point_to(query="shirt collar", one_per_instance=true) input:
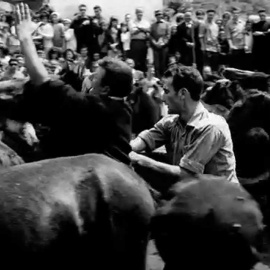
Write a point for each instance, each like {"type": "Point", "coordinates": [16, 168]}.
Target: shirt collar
{"type": "Point", "coordinates": [197, 115]}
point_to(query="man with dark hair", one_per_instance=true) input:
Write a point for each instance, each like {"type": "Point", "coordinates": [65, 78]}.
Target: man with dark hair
{"type": "Point", "coordinates": [197, 141]}
{"type": "Point", "coordinates": [84, 30]}
{"type": "Point", "coordinates": [79, 124]}
{"type": "Point", "coordinates": [98, 18]}
{"type": "Point", "coordinates": [209, 32]}
{"type": "Point", "coordinates": [261, 43]}
{"type": "Point", "coordinates": [200, 14]}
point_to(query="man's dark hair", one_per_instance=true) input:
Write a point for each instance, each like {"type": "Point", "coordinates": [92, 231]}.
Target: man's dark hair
{"type": "Point", "coordinates": [82, 5]}
{"type": "Point", "coordinates": [118, 76]}
{"type": "Point", "coordinates": [200, 12]}
{"type": "Point", "coordinates": [186, 77]}
{"type": "Point", "coordinates": [211, 11]}
{"type": "Point", "coordinates": [97, 7]}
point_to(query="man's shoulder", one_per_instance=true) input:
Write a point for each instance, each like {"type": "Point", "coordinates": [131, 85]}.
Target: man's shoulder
{"type": "Point", "coordinates": [169, 120]}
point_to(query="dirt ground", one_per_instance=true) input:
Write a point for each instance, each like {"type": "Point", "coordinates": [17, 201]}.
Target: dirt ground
{"type": "Point", "coordinates": [154, 262]}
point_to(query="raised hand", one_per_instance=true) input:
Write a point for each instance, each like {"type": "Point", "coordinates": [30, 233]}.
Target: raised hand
{"type": "Point", "coordinates": [23, 21]}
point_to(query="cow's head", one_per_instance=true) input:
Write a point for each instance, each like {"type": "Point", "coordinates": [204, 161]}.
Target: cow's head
{"type": "Point", "coordinates": [224, 92]}
{"type": "Point", "coordinates": [250, 129]}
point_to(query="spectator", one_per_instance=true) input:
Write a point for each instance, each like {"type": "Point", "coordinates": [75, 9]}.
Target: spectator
{"type": "Point", "coordinates": [103, 40]}
{"type": "Point", "coordinates": [98, 18]}
{"type": "Point", "coordinates": [235, 33]}
{"type": "Point", "coordinates": [224, 48]}
{"type": "Point", "coordinates": [137, 74]}
{"type": "Point", "coordinates": [42, 56]}
{"type": "Point", "coordinates": [200, 15]}
{"type": "Point", "coordinates": [83, 58]}
{"type": "Point", "coordinates": [45, 32]}
{"type": "Point", "coordinates": [173, 42]}
{"type": "Point", "coordinates": [58, 30]}
{"type": "Point", "coordinates": [70, 41]}
{"type": "Point", "coordinates": [125, 40]}
{"type": "Point", "coordinates": [139, 37]}
{"type": "Point", "coordinates": [84, 31]}
{"type": "Point", "coordinates": [53, 65]}
{"type": "Point", "coordinates": [248, 62]}
{"type": "Point", "coordinates": [12, 72]}
{"type": "Point", "coordinates": [128, 21]}
{"type": "Point", "coordinates": [113, 37]}
{"type": "Point", "coordinates": [209, 32]}
{"type": "Point", "coordinates": [4, 56]}
{"type": "Point", "coordinates": [179, 18]}
{"type": "Point", "coordinates": [21, 64]}
{"type": "Point", "coordinates": [13, 41]}
{"type": "Point", "coordinates": [226, 17]}
{"type": "Point", "coordinates": [159, 38]}
{"type": "Point", "coordinates": [189, 44]}
{"type": "Point", "coordinates": [261, 43]}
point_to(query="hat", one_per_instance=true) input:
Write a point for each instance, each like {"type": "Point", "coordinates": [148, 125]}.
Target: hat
{"type": "Point", "coordinates": [211, 10]}
{"type": "Point", "coordinates": [261, 10]}
{"type": "Point", "coordinates": [139, 10]}
{"type": "Point", "coordinates": [158, 12]}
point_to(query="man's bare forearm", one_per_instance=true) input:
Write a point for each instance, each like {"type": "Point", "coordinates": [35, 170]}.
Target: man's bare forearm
{"type": "Point", "coordinates": [138, 145]}
{"type": "Point", "coordinates": [36, 70]}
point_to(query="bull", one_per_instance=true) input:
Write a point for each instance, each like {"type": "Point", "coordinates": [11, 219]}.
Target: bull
{"type": "Point", "coordinates": [208, 223]}
{"type": "Point", "coordinates": [85, 211]}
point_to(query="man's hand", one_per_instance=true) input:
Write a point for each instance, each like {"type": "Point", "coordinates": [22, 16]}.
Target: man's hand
{"type": "Point", "coordinates": [137, 159]}
{"type": "Point", "coordinates": [23, 21]}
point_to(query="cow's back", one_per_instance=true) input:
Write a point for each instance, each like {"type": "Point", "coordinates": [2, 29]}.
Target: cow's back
{"type": "Point", "coordinates": [71, 212]}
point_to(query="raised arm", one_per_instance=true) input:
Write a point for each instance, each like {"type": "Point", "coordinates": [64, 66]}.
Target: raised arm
{"type": "Point", "coordinates": [37, 72]}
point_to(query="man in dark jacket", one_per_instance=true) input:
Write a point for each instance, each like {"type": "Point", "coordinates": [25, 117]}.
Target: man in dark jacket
{"type": "Point", "coordinates": [84, 30]}
{"type": "Point", "coordinates": [96, 123]}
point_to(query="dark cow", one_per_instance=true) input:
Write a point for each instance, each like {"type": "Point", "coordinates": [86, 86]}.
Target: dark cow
{"type": "Point", "coordinates": [146, 111]}
{"type": "Point", "coordinates": [224, 93]}
{"type": "Point", "coordinates": [208, 223]}
{"type": "Point", "coordinates": [75, 212]}
{"type": "Point", "coordinates": [250, 129]}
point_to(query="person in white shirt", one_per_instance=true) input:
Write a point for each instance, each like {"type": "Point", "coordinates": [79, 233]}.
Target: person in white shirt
{"type": "Point", "coordinates": [45, 32]}
{"type": "Point", "coordinates": [70, 41]}
{"type": "Point", "coordinates": [125, 40]}
{"type": "Point", "coordinates": [139, 36]}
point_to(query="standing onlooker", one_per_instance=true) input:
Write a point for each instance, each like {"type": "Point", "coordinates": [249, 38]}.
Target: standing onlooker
{"type": "Point", "coordinates": [188, 41]}
{"type": "Point", "coordinates": [84, 31]}
{"type": "Point", "coordinates": [261, 43]}
{"type": "Point", "coordinates": [159, 38]}
{"type": "Point", "coordinates": [58, 30]}
{"type": "Point", "coordinates": [113, 36]}
{"type": "Point", "coordinates": [209, 32]}
{"type": "Point", "coordinates": [4, 35]}
{"type": "Point", "coordinates": [235, 33]}
{"type": "Point", "coordinates": [139, 37]}
{"type": "Point", "coordinates": [125, 40]}
{"type": "Point", "coordinates": [173, 42]}
{"type": "Point", "coordinates": [224, 48]}
{"type": "Point", "coordinates": [45, 32]}
{"type": "Point", "coordinates": [128, 21]}
{"type": "Point", "coordinates": [103, 40]}
{"type": "Point", "coordinates": [70, 41]}
{"type": "Point", "coordinates": [248, 62]}
{"type": "Point", "coordinates": [13, 41]}
{"type": "Point", "coordinates": [200, 15]}
{"type": "Point", "coordinates": [226, 17]}
{"type": "Point", "coordinates": [98, 18]}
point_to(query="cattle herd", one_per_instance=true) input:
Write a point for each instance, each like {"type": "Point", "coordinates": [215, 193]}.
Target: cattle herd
{"type": "Point", "coordinates": [96, 212]}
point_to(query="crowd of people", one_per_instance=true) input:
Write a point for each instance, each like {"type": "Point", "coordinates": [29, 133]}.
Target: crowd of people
{"type": "Point", "coordinates": [202, 39]}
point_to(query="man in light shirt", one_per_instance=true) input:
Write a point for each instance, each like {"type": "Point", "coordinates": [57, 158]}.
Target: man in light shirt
{"type": "Point", "coordinates": [197, 141]}
{"type": "Point", "coordinates": [139, 35]}
{"type": "Point", "coordinates": [209, 32]}
{"type": "Point", "coordinates": [235, 30]}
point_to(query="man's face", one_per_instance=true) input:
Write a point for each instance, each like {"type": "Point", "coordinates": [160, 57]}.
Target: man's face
{"type": "Point", "coordinates": [139, 15]}
{"type": "Point", "coordinates": [262, 16]}
{"type": "Point", "coordinates": [54, 19]}
{"type": "Point", "coordinates": [170, 97]}
{"type": "Point", "coordinates": [97, 12]}
{"type": "Point", "coordinates": [130, 63]}
{"type": "Point", "coordinates": [210, 16]}
{"type": "Point", "coordinates": [187, 17]}
{"type": "Point", "coordinates": [13, 66]}
{"type": "Point", "coordinates": [128, 18]}
{"type": "Point", "coordinates": [84, 52]}
{"type": "Point", "coordinates": [82, 11]}
{"type": "Point", "coordinates": [159, 17]}
{"type": "Point", "coordinates": [235, 15]}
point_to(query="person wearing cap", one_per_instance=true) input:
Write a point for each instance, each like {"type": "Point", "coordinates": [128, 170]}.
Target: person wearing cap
{"type": "Point", "coordinates": [79, 124]}
{"type": "Point", "coordinates": [139, 36]}
{"type": "Point", "coordinates": [70, 41]}
{"type": "Point", "coordinates": [261, 44]}
{"type": "Point", "coordinates": [209, 32]}
{"type": "Point", "coordinates": [235, 31]}
{"type": "Point", "coordinates": [159, 39]}
{"type": "Point", "coordinates": [58, 31]}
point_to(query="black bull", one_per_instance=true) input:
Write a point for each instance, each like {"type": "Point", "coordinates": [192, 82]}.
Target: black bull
{"type": "Point", "coordinates": [76, 212]}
